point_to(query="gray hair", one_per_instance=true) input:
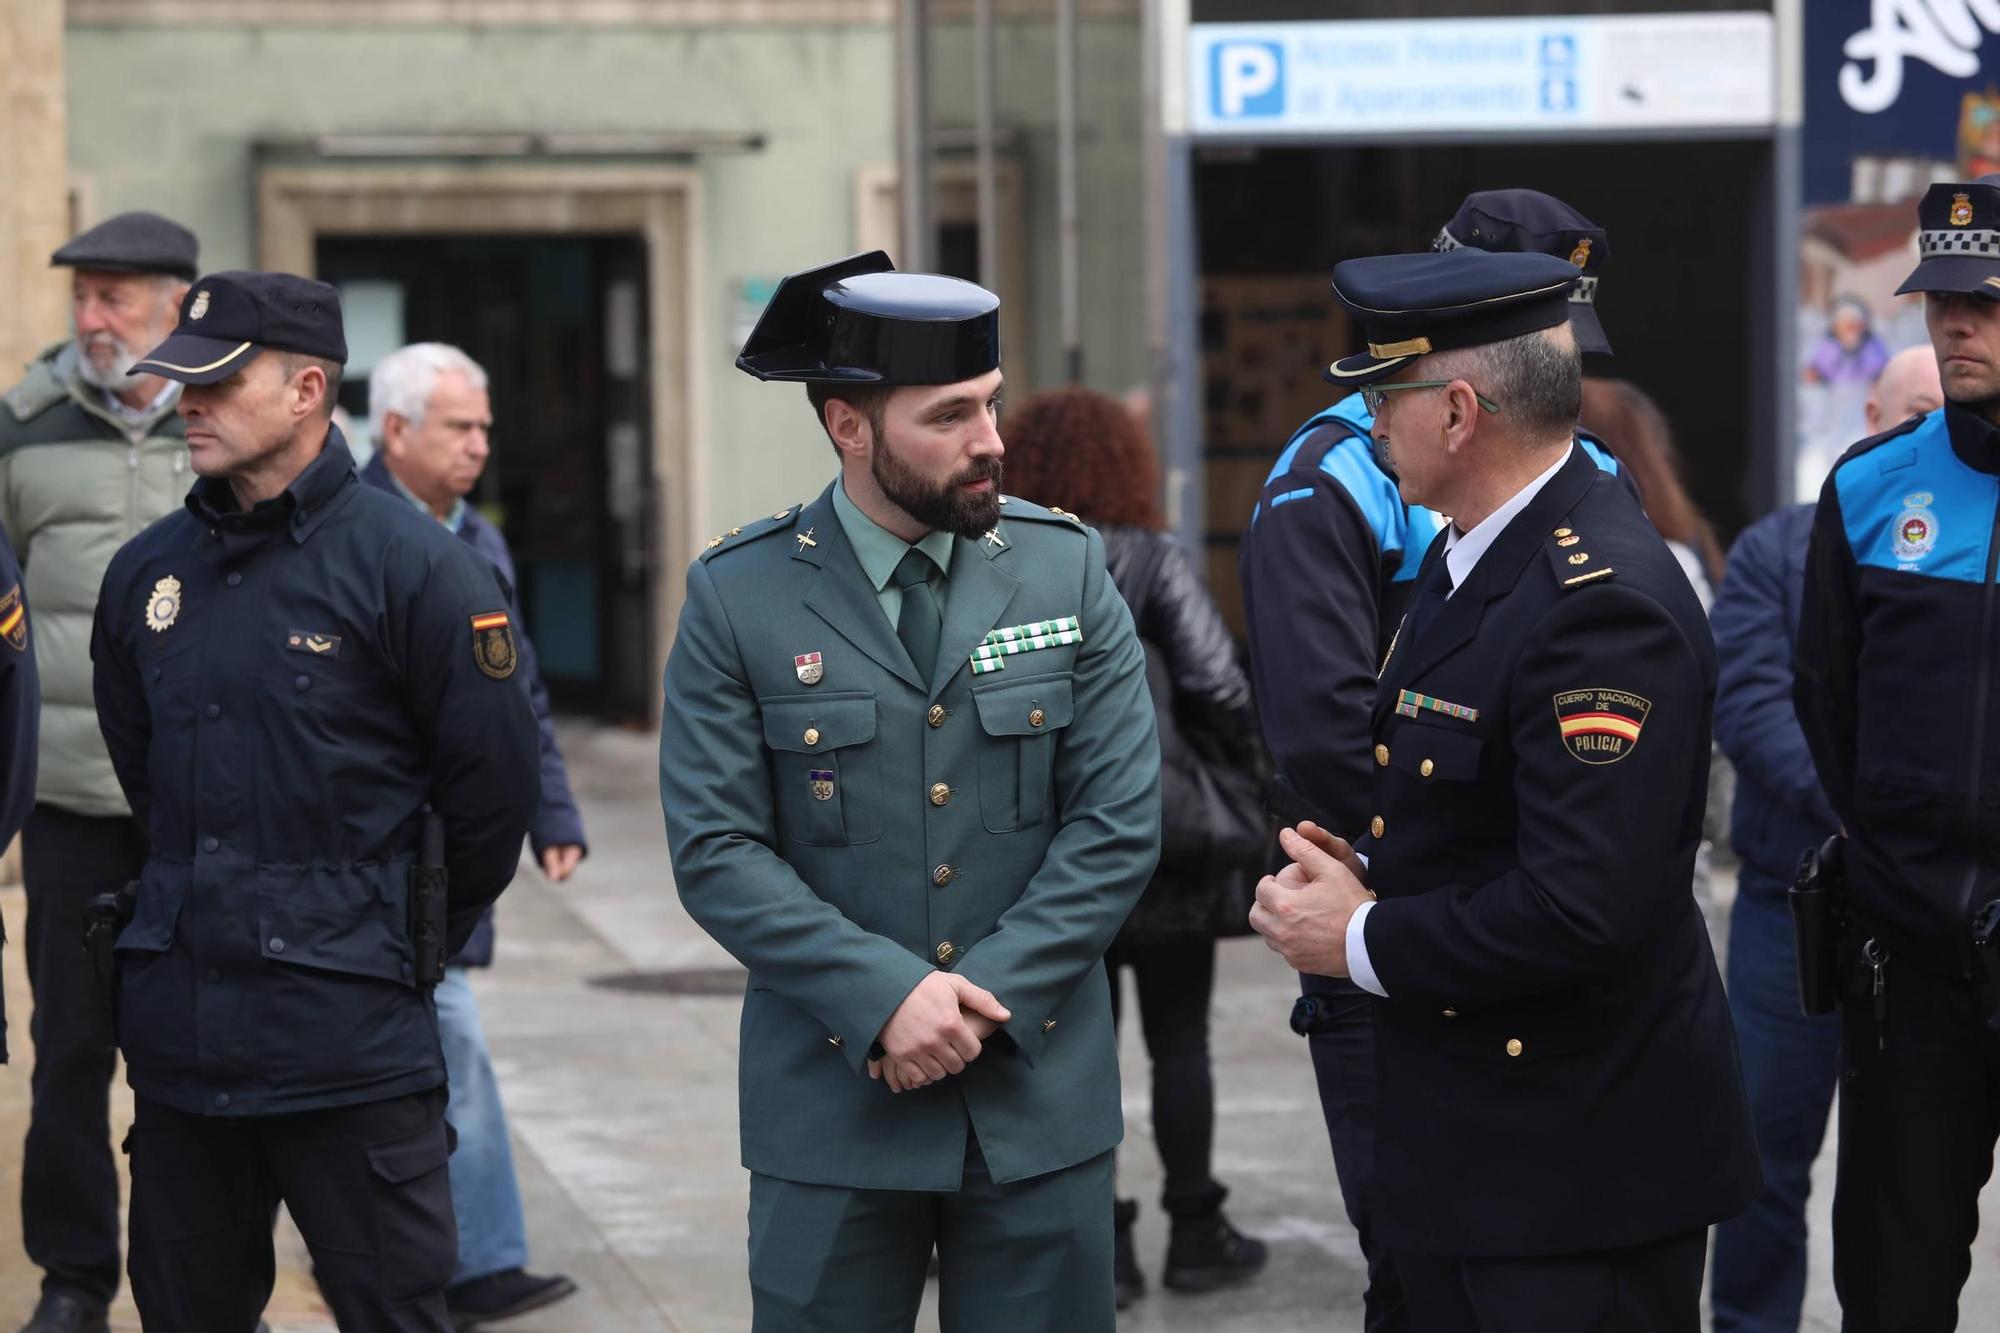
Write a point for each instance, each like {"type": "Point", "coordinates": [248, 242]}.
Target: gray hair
{"type": "Point", "coordinates": [403, 381]}
{"type": "Point", "coordinates": [1537, 378]}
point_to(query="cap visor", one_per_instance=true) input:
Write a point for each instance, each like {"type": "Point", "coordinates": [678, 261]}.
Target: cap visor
{"type": "Point", "coordinates": [1355, 371]}
{"type": "Point", "coordinates": [1589, 333]}
{"type": "Point", "coordinates": [192, 359]}
{"type": "Point", "coordinates": [1954, 273]}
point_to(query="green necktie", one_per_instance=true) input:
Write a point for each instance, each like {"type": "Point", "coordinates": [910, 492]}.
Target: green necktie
{"type": "Point", "coordinates": [917, 623]}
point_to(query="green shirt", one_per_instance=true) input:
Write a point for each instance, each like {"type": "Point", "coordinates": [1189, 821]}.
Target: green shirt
{"type": "Point", "coordinates": [880, 551]}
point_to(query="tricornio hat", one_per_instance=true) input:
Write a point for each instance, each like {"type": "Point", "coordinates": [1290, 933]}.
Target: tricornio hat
{"type": "Point", "coordinates": [859, 321]}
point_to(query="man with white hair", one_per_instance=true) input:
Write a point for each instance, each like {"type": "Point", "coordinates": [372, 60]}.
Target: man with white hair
{"type": "Point", "coordinates": [430, 416]}
{"type": "Point", "coordinates": [90, 454]}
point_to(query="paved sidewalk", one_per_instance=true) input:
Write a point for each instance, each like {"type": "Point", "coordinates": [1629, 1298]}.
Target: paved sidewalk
{"type": "Point", "coordinates": [624, 1112]}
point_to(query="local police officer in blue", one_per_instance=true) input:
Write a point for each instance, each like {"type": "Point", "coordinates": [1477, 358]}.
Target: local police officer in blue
{"type": "Point", "coordinates": [1328, 565]}
{"type": "Point", "coordinates": [1561, 1114]}
{"type": "Point", "coordinates": [911, 780]}
{"type": "Point", "coordinates": [1900, 701]}
{"type": "Point", "coordinates": [288, 674]}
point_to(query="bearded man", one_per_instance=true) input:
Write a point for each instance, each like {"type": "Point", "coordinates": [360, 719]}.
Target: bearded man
{"type": "Point", "coordinates": [90, 454]}
{"type": "Point", "coordinates": [911, 781]}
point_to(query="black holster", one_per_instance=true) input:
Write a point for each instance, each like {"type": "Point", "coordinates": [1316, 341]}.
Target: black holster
{"type": "Point", "coordinates": [104, 920]}
{"type": "Point", "coordinates": [1818, 899]}
{"type": "Point", "coordinates": [429, 903]}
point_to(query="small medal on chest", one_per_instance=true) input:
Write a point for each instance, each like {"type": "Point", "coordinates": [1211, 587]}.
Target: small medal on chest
{"type": "Point", "coordinates": [810, 669]}
{"type": "Point", "coordinates": [821, 780]}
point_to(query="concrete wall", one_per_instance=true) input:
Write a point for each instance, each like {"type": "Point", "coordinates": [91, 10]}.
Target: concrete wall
{"type": "Point", "coordinates": [166, 118]}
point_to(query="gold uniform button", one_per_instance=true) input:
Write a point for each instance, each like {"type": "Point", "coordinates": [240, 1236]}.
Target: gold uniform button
{"type": "Point", "coordinates": [946, 952]}
{"type": "Point", "coordinates": [1514, 1046]}
{"type": "Point", "coordinates": [1375, 826]}
{"type": "Point", "coordinates": [812, 735]}
{"type": "Point", "coordinates": [1451, 1013]}
{"type": "Point", "coordinates": [936, 716]}
{"type": "Point", "coordinates": [940, 794]}
{"type": "Point", "coordinates": [1562, 532]}
{"type": "Point", "coordinates": [835, 1042]}
{"type": "Point", "coordinates": [1426, 768]}
{"type": "Point", "coordinates": [1382, 756]}
{"type": "Point", "coordinates": [942, 876]}
{"type": "Point", "coordinates": [1048, 1025]}
{"type": "Point", "coordinates": [1036, 717]}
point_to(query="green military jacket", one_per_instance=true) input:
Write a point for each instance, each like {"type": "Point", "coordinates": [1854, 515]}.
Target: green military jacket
{"type": "Point", "coordinates": [843, 828]}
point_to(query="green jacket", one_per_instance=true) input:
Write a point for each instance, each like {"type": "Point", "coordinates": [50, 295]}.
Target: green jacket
{"type": "Point", "coordinates": [844, 838]}
{"type": "Point", "coordinates": [76, 483]}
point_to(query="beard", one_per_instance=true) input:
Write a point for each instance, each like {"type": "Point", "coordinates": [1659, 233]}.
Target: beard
{"type": "Point", "coordinates": [940, 507]}
{"type": "Point", "coordinates": [114, 376]}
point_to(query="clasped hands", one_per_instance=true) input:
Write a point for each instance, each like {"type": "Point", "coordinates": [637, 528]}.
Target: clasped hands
{"type": "Point", "coordinates": [940, 1027]}
{"type": "Point", "coordinates": [1302, 911]}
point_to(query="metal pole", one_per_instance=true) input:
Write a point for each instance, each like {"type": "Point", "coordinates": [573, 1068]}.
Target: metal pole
{"type": "Point", "coordinates": [1066, 190]}
{"type": "Point", "coordinates": [913, 131]}
{"type": "Point", "coordinates": [987, 165]}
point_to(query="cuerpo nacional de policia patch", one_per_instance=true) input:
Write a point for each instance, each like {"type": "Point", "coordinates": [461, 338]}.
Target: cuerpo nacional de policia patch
{"type": "Point", "coordinates": [1601, 726]}
{"type": "Point", "coordinates": [493, 644]}
{"type": "Point", "coordinates": [14, 620]}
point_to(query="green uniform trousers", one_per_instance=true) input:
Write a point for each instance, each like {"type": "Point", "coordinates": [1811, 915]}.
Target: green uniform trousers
{"type": "Point", "coordinates": [1033, 1256]}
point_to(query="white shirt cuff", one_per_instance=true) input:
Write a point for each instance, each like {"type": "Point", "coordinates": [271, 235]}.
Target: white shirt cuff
{"type": "Point", "coordinates": [1358, 966]}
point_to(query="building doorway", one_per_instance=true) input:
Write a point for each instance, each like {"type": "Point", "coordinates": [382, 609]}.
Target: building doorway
{"type": "Point", "coordinates": [559, 323]}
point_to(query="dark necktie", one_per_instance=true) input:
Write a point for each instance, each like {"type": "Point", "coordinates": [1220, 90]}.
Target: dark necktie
{"type": "Point", "coordinates": [1430, 598]}
{"type": "Point", "coordinates": [917, 623]}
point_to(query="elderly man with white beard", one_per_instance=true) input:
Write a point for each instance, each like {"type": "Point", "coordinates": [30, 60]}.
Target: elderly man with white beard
{"type": "Point", "coordinates": [90, 454]}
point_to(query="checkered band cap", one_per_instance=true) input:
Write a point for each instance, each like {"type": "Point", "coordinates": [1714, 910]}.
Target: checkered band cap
{"type": "Point", "coordinates": [1959, 241]}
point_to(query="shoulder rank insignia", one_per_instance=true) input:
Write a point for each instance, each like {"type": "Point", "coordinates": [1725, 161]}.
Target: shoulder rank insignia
{"type": "Point", "coordinates": [1600, 726]}
{"type": "Point", "coordinates": [14, 619]}
{"type": "Point", "coordinates": [163, 605]}
{"type": "Point", "coordinates": [493, 644]}
{"type": "Point", "coordinates": [1573, 566]}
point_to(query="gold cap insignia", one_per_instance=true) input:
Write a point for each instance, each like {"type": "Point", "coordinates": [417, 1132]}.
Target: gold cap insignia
{"type": "Point", "coordinates": [163, 605]}
{"type": "Point", "coordinates": [1961, 210]}
{"type": "Point", "coordinates": [200, 306]}
{"type": "Point", "coordinates": [1581, 255]}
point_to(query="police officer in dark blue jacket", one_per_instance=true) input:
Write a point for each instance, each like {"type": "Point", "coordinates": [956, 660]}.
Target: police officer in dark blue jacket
{"type": "Point", "coordinates": [1900, 701]}
{"type": "Point", "coordinates": [288, 676]}
{"type": "Point", "coordinates": [20, 712]}
{"type": "Point", "coordinates": [1328, 565]}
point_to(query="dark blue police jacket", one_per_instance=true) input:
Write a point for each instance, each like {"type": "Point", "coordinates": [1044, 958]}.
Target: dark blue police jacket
{"type": "Point", "coordinates": [20, 712]}
{"type": "Point", "coordinates": [558, 822]}
{"type": "Point", "coordinates": [1557, 1067]}
{"type": "Point", "coordinates": [1896, 684]}
{"type": "Point", "coordinates": [1780, 809]}
{"type": "Point", "coordinates": [282, 691]}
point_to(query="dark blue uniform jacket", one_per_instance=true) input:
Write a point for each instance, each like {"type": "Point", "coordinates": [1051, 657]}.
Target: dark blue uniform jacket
{"type": "Point", "coordinates": [1558, 1071]}
{"type": "Point", "coordinates": [20, 712]}
{"type": "Point", "coordinates": [558, 822]}
{"type": "Point", "coordinates": [282, 692]}
{"type": "Point", "coordinates": [1896, 683]}
{"type": "Point", "coordinates": [1780, 809]}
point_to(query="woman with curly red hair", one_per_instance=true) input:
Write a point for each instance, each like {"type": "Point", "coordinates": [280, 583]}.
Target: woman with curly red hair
{"type": "Point", "coordinates": [1083, 451]}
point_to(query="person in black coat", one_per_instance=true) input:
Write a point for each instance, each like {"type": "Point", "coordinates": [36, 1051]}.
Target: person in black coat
{"type": "Point", "coordinates": [1081, 449]}
{"type": "Point", "coordinates": [1561, 1113]}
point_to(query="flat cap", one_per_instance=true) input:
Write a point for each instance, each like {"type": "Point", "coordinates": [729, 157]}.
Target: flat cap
{"type": "Point", "coordinates": [1412, 305]}
{"type": "Point", "coordinates": [133, 243]}
{"type": "Point", "coordinates": [858, 321]}
{"type": "Point", "coordinates": [1530, 222]}
{"type": "Point", "coordinates": [1958, 239]}
{"type": "Point", "coordinates": [228, 318]}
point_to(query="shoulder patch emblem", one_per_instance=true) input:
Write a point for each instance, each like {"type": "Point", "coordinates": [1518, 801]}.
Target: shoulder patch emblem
{"type": "Point", "coordinates": [14, 619]}
{"type": "Point", "coordinates": [493, 644]}
{"type": "Point", "coordinates": [163, 605]}
{"type": "Point", "coordinates": [1916, 528]}
{"type": "Point", "coordinates": [1601, 726]}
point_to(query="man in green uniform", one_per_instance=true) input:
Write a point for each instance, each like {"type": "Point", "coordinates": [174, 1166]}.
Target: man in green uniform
{"type": "Point", "coordinates": [911, 781]}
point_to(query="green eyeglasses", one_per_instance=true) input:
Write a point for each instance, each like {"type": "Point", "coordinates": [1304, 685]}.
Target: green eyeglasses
{"type": "Point", "coordinates": [1372, 396]}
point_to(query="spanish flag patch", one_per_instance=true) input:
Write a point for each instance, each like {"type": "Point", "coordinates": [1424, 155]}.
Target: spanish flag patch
{"type": "Point", "coordinates": [1601, 726]}
{"type": "Point", "coordinates": [14, 620]}
{"type": "Point", "coordinates": [493, 644]}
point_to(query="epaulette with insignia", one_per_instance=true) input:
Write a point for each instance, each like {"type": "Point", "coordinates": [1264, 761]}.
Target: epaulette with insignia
{"type": "Point", "coordinates": [1573, 565]}
{"type": "Point", "coordinates": [749, 532]}
{"type": "Point", "coordinates": [1016, 507]}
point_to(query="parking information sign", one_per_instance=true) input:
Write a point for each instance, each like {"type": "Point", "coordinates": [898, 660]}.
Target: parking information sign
{"type": "Point", "coordinates": [1551, 75]}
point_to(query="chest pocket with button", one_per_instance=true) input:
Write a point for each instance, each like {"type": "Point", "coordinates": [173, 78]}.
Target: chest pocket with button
{"type": "Point", "coordinates": [1430, 752]}
{"type": "Point", "coordinates": [1021, 719]}
{"type": "Point", "coordinates": [824, 768]}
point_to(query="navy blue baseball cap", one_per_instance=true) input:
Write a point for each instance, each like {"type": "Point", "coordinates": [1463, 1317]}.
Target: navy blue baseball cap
{"type": "Point", "coordinates": [1531, 222]}
{"type": "Point", "coordinates": [858, 321]}
{"type": "Point", "coordinates": [228, 318]}
{"type": "Point", "coordinates": [1412, 305]}
{"type": "Point", "coordinates": [1958, 239]}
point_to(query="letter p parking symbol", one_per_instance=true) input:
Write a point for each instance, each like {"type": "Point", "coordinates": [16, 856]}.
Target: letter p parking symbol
{"type": "Point", "coordinates": [1247, 79]}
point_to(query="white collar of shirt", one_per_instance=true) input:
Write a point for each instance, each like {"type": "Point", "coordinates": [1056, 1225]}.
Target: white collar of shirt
{"type": "Point", "coordinates": [129, 413]}
{"type": "Point", "coordinates": [1463, 549]}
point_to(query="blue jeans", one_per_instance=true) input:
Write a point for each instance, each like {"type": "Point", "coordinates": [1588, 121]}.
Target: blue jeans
{"type": "Point", "coordinates": [1790, 1067]}
{"type": "Point", "coordinates": [492, 1233]}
